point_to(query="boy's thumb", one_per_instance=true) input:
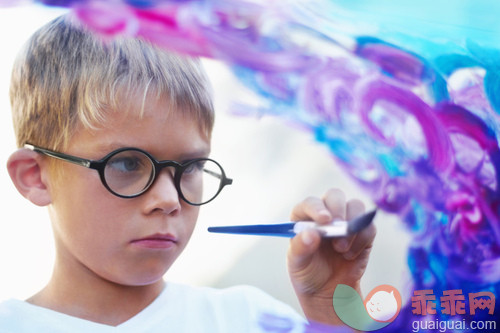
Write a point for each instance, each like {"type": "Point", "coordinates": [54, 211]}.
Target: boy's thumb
{"type": "Point", "coordinates": [302, 248]}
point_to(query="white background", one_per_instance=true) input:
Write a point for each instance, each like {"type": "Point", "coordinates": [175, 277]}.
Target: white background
{"type": "Point", "coordinates": [273, 165]}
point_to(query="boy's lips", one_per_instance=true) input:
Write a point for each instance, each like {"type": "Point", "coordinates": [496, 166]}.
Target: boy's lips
{"type": "Point", "coordinates": [156, 241]}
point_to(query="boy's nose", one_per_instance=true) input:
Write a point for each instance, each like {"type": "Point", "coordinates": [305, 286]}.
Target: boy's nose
{"type": "Point", "coordinates": [163, 196]}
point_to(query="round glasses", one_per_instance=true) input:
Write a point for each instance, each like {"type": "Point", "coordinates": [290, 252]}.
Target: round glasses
{"type": "Point", "coordinates": [129, 172]}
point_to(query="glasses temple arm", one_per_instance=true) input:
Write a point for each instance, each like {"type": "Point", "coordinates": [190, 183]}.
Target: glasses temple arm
{"type": "Point", "coordinates": [64, 157]}
{"type": "Point", "coordinates": [226, 181]}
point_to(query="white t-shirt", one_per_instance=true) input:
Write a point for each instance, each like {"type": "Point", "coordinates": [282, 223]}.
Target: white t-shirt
{"type": "Point", "coordinates": [179, 308]}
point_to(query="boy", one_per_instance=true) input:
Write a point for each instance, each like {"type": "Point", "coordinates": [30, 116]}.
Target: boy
{"type": "Point", "coordinates": [118, 108]}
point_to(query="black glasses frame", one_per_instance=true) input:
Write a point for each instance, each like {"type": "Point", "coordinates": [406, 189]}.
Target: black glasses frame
{"type": "Point", "coordinates": [100, 165]}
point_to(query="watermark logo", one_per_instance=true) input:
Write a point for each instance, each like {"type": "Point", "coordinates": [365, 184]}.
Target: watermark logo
{"type": "Point", "coordinates": [383, 304]}
{"type": "Point", "coordinates": [452, 302]}
{"type": "Point", "coordinates": [380, 308]}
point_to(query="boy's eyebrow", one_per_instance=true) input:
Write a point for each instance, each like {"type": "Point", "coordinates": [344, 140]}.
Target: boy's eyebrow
{"type": "Point", "coordinates": [194, 154]}
{"type": "Point", "coordinates": [188, 155]}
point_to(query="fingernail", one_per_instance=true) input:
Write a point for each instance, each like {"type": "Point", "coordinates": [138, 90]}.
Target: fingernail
{"type": "Point", "coordinates": [307, 237]}
{"type": "Point", "coordinates": [326, 214]}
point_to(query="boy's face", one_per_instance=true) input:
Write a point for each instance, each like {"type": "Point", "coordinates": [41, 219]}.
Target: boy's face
{"type": "Point", "coordinates": [126, 241]}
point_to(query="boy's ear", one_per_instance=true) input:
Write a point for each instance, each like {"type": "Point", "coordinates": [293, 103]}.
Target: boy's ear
{"type": "Point", "coordinates": [26, 171]}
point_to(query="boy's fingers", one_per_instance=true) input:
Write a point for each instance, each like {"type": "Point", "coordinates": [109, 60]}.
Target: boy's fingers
{"type": "Point", "coordinates": [302, 248]}
{"type": "Point", "coordinates": [362, 240]}
{"type": "Point", "coordinates": [335, 201]}
{"type": "Point", "coordinates": [354, 208]}
{"type": "Point", "coordinates": [313, 209]}
{"type": "Point", "coordinates": [333, 206]}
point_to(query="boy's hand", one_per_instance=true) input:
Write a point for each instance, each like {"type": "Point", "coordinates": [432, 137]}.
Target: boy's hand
{"type": "Point", "coordinates": [317, 265]}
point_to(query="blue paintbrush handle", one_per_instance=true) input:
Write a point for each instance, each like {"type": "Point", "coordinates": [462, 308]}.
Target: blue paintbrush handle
{"type": "Point", "coordinates": [336, 229]}
{"type": "Point", "coordinates": [279, 230]}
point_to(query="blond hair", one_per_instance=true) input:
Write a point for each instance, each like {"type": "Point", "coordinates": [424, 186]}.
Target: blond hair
{"type": "Point", "coordinates": [66, 77]}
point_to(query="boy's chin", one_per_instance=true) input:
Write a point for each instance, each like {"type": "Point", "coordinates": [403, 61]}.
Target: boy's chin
{"type": "Point", "coordinates": [139, 279]}
{"type": "Point", "coordinates": [144, 282]}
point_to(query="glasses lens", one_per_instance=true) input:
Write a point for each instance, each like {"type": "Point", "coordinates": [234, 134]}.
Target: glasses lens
{"type": "Point", "coordinates": [129, 172]}
{"type": "Point", "coordinates": [201, 181]}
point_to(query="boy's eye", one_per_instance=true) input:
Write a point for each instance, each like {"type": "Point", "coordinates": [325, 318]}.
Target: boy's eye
{"type": "Point", "coordinates": [127, 162]}
{"type": "Point", "coordinates": [195, 166]}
